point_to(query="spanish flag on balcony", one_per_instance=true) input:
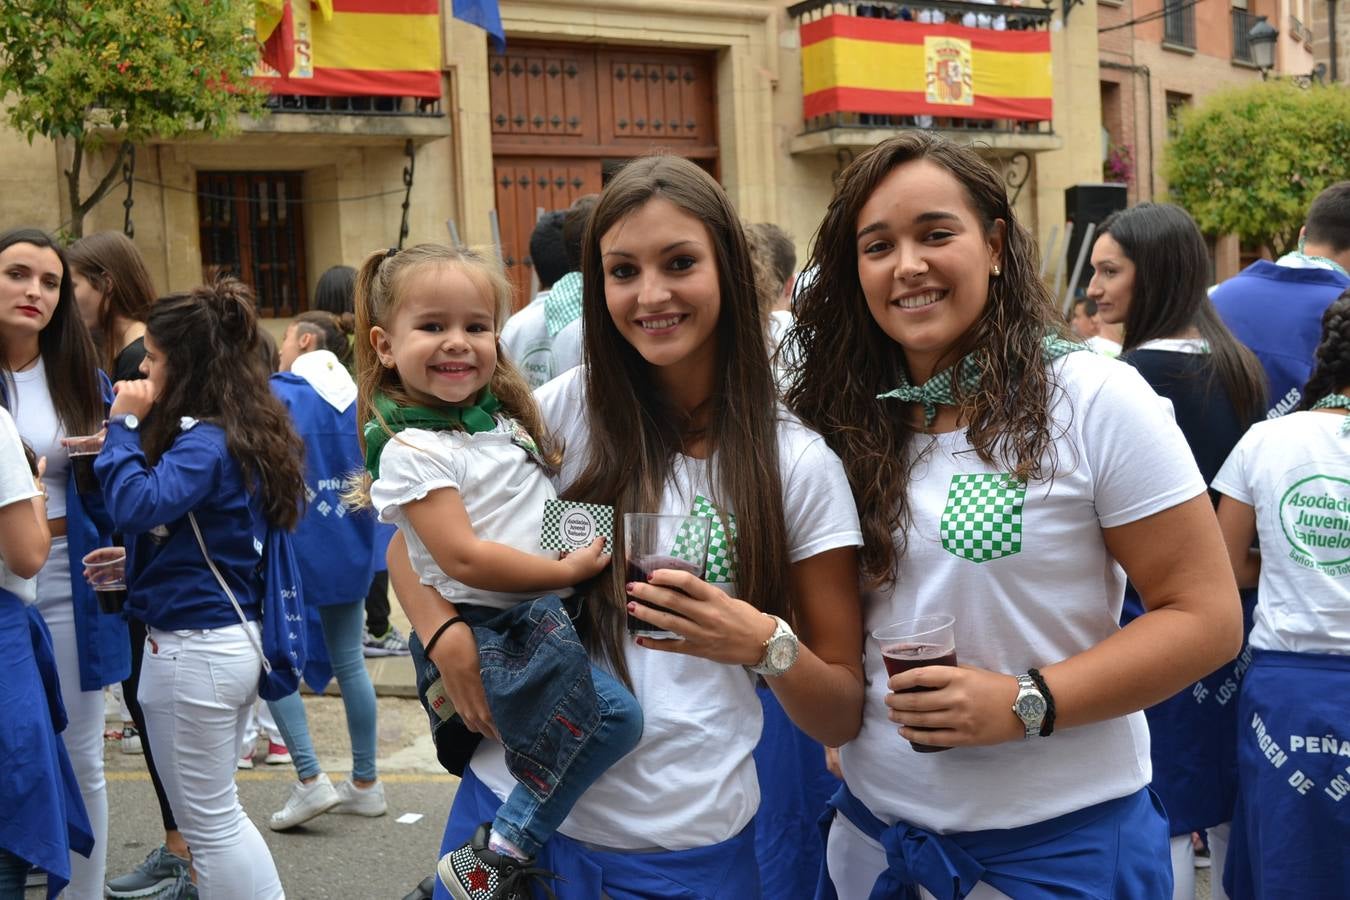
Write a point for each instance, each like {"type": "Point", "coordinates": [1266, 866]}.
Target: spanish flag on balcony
{"type": "Point", "coordinates": [883, 67]}
{"type": "Point", "coordinates": [350, 48]}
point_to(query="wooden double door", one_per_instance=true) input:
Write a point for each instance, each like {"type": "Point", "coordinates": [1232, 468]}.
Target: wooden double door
{"type": "Point", "coordinates": [566, 117]}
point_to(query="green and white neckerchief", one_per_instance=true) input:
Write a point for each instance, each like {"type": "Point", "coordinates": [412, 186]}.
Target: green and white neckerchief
{"type": "Point", "coordinates": [562, 306]}
{"type": "Point", "coordinates": [472, 419]}
{"type": "Point", "coordinates": [1336, 401]}
{"type": "Point", "coordinates": [937, 391]}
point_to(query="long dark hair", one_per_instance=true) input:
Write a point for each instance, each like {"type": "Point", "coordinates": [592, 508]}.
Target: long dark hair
{"type": "Point", "coordinates": [65, 346]}
{"type": "Point", "coordinates": [110, 262]}
{"type": "Point", "coordinates": [1331, 369]}
{"type": "Point", "coordinates": [845, 359]}
{"type": "Point", "coordinates": [1171, 274]}
{"type": "Point", "coordinates": [637, 431]}
{"type": "Point", "coordinates": [208, 337]}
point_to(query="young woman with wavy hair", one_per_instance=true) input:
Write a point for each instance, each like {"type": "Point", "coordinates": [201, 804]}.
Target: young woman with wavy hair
{"type": "Point", "coordinates": [52, 386]}
{"type": "Point", "coordinates": [202, 436]}
{"type": "Point", "coordinates": [1150, 271]}
{"type": "Point", "coordinates": [1004, 480]}
{"type": "Point", "coordinates": [674, 411]}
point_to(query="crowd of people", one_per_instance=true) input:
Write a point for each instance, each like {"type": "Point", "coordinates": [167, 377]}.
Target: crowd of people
{"type": "Point", "coordinates": [1128, 522]}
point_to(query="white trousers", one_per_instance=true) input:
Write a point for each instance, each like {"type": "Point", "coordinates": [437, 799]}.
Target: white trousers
{"type": "Point", "coordinates": [856, 861]}
{"type": "Point", "coordinates": [83, 736]}
{"type": "Point", "coordinates": [1183, 863]}
{"type": "Point", "coordinates": [196, 689]}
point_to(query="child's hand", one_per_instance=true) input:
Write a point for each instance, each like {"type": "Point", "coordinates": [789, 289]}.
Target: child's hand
{"type": "Point", "coordinates": [134, 397]}
{"type": "Point", "coordinates": [456, 657]}
{"type": "Point", "coordinates": [586, 562]}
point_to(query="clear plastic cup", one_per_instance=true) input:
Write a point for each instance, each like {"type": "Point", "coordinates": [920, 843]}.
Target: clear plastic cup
{"type": "Point", "coordinates": [105, 570]}
{"type": "Point", "coordinates": [82, 450]}
{"type": "Point", "coordinates": [912, 643]}
{"type": "Point", "coordinates": [652, 541]}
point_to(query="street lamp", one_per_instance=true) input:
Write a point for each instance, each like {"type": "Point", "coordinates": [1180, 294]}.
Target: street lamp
{"type": "Point", "coordinates": [1261, 39]}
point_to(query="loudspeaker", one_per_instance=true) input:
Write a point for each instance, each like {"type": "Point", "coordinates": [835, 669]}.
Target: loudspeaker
{"type": "Point", "coordinates": [1086, 204]}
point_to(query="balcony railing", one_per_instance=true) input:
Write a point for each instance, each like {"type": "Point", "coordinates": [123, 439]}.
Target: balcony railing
{"type": "Point", "coordinates": [1179, 23]}
{"type": "Point", "coordinates": [995, 16]}
{"type": "Point", "coordinates": [355, 106]}
{"type": "Point", "coordinates": [1243, 22]}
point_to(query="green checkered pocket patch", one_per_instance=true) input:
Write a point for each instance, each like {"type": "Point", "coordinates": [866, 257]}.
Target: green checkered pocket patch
{"type": "Point", "coordinates": [983, 517]}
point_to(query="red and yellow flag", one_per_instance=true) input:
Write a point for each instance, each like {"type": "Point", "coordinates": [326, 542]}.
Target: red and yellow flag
{"type": "Point", "coordinates": [883, 67]}
{"type": "Point", "coordinates": [354, 48]}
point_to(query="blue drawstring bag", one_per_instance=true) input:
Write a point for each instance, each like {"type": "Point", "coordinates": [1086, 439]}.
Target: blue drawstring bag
{"type": "Point", "coordinates": [282, 649]}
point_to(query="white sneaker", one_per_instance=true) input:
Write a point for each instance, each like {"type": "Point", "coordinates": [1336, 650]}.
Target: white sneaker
{"type": "Point", "coordinates": [305, 802]}
{"type": "Point", "coordinates": [361, 801]}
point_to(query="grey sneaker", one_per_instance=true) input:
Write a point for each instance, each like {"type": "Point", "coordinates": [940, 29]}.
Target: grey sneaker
{"type": "Point", "coordinates": [361, 801]}
{"type": "Point", "coordinates": [160, 870]}
{"type": "Point", "coordinates": [391, 643]}
{"type": "Point", "coordinates": [183, 889]}
{"type": "Point", "coordinates": [305, 802]}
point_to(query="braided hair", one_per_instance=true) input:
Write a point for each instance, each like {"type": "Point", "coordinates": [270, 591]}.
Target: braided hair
{"type": "Point", "coordinates": [1331, 368]}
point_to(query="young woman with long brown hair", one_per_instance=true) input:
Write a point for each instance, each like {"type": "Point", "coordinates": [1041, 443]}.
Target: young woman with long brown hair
{"type": "Point", "coordinates": [1150, 271]}
{"type": "Point", "coordinates": [675, 403]}
{"type": "Point", "coordinates": [1003, 479]}
{"type": "Point", "coordinates": [52, 386]}
{"type": "Point", "coordinates": [113, 291]}
{"type": "Point", "coordinates": [201, 441]}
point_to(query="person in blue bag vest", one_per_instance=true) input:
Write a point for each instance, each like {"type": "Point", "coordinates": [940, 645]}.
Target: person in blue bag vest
{"type": "Point", "coordinates": [54, 390]}
{"type": "Point", "coordinates": [1009, 479]}
{"type": "Point", "coordinates": [1275, 308]}
{"type": "Point", "coordinates": [1288, 483]}
{"type": "Point", "coordinates": [334, 544]}
{"type": "Point", "coordinates": [203, 443]}
{"type": "Point", "coordinates": [44, 816]}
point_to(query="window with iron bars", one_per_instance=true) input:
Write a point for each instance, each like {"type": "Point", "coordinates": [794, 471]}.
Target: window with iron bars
{"type": "Point", "coordinates": [1179, 22]}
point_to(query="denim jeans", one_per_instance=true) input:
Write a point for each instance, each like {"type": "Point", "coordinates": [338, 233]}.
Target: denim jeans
{"type": "Point", "coordinates": [13, 873]}
{"type": "Point", "coordinates": [343, 626]}
{"type": "Point", "coordinates": [562, 720]}
{"type": "Point", "coordinates": [196, 689]}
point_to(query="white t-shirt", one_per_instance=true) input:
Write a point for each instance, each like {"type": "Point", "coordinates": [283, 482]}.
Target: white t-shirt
{"type": "Point", "coordinates": [16, 485]}
{"type": "Point", "coordinates": [41, 427]}
{"type": "Point", "coordinates": [526, 341]}
{"type": "Point", "coordinates": [1295, 471]}
{"type": "Point", "coordinates": [502, 488]}
{"type": "Point", "coordinates": [567, 347]}
{"type": "Point", "coordinates": [691, 781]}
{"type": "Point", "coordinates": [1030, 582]}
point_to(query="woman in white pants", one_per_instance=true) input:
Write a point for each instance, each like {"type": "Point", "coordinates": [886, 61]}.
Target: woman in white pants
{"type": "Point", "coordinates": [202, 443]}
{"type": "Point", "coordinates": [41, 332]}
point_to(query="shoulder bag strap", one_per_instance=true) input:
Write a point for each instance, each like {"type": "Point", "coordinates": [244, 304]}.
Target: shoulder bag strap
{"type": "Point", "coordinates": [196, 529]}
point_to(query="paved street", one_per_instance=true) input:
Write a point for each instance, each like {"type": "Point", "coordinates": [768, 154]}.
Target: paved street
{"type": "Point", "coordinates": [333, 856]}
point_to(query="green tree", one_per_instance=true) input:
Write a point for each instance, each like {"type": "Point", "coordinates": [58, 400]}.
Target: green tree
{"type": "Point", "coordinates": [100, 71]}
{"type": "Point", "coordinates": [1250, 160]}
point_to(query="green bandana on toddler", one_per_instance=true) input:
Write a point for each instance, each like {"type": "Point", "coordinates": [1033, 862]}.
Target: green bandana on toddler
{"type": "Point", "coordinates": [1336, 401]}
{"type": "Point", "coordinates": [937, 391]}
{"type": "Point", "coordinates": [472, 419]}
